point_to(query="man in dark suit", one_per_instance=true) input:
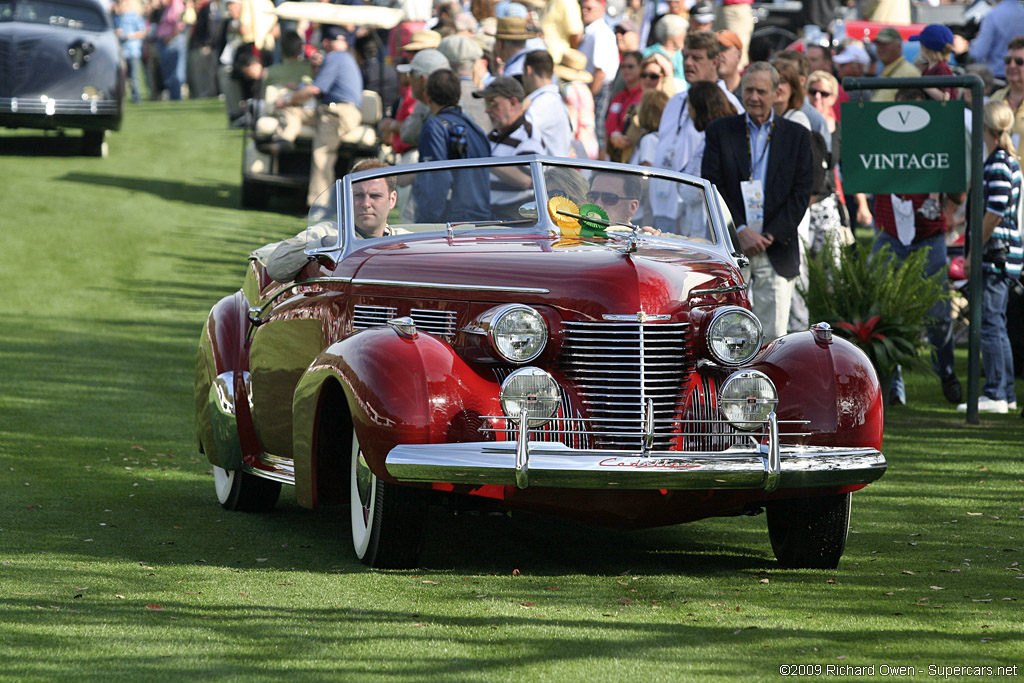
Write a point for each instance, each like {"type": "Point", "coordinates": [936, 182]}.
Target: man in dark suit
{"type": "Point", "coordinates": [763, 167]}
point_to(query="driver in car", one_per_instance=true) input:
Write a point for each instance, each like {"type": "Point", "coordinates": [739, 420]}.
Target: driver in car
{"type": "Point", "coordinates": [372, 200]}
{"type": "Point", "coordinates": [616, 193]}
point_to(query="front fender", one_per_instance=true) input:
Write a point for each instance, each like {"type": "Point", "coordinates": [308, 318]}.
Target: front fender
{"type": "Point", "coordinates": [831, 385]}
{"type": "Point", "coordinates": [219, 355]}
{"type": "Point", "coordinates": [397, 390]}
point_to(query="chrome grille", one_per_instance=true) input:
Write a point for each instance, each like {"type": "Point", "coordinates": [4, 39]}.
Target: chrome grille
{"type": "Point", "coordinates": [364, 317]}
{"type": "Point", "coordinates": [618, 368]}
{"type": "Point", "coordinates": [437, 323]}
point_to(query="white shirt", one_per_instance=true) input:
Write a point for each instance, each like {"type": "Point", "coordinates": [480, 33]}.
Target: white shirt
{"type": "Point", "coordinates": [550, 120]}
{"type": "Point", "coordinates": [680, 148]}
{"type": "Point", "coordinates": [599, 46]}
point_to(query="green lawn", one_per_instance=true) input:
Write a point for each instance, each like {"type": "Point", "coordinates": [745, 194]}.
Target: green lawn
{"type": "Point", "coordinates": [116, 563]}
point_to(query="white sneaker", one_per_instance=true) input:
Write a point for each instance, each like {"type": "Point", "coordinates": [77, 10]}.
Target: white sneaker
{"type": "Point", "coordinates": [988, 405]}
{"type": "Point", "coordinates": [1012, 405]}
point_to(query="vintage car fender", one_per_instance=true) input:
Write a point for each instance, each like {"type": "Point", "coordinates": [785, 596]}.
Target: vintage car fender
{"type": "Point", "coordinates": [396, 390]}
{"type": "Point", "coordinates": [217, 361]}
{"type": "Point", "coordinates": [830, 384]}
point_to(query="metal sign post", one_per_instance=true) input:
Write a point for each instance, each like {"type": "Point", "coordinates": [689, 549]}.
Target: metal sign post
{"type": "Point", "coordinates": [977, 210]}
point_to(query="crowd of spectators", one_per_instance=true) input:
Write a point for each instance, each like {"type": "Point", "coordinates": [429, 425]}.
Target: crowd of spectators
{"type": "Point", "coordinates": [645, 83]}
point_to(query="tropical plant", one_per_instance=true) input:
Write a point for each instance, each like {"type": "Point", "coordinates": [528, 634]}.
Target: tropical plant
{"type": "Point", "coordinates": [875, 300]}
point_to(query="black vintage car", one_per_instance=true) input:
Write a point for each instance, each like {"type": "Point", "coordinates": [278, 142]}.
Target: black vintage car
{"type": "Point", "coordinates": [61, 67]}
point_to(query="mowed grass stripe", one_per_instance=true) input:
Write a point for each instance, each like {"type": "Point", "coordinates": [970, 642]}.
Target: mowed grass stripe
{"type": "Point", "coordinates": [117, 564]}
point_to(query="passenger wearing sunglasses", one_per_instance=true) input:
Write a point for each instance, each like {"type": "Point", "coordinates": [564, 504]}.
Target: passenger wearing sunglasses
{"type": "Point", "coordinates": [1013, 93]}
{"type": "Point", "coordinates": [616, 193]}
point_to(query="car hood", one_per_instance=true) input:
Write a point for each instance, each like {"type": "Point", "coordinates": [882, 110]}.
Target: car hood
{"type": "Point", "coordinates": [591, 278]}
{"type": "Point", "coordinates": [34, 61]}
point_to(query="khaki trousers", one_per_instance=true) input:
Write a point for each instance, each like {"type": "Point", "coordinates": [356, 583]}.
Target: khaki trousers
{"type": "Point", "coordinates": [333, 122]}
{"type": "Point", "coordinates": [770, 296]}
{"type": "Point", "coordinates": [740, 20]}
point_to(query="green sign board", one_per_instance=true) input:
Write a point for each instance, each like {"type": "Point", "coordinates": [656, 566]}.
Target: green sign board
{"type": "Point", "coordinates": [904, 147]}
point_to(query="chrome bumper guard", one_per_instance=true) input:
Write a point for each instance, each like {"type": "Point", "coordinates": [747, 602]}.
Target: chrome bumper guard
{"type": "Point", "coordinates": [766, 466]}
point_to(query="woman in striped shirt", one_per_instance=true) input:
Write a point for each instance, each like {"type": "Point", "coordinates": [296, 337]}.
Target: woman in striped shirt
{"type": "Point", "coordinates": [1002, 257]}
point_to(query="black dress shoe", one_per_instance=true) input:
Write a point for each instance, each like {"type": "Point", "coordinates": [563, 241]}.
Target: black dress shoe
{"type": "Point", "coordinates": [951, 388]}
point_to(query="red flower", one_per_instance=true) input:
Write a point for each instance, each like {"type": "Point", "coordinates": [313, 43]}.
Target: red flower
{"type": "Point", "coordinates": [864, 331]}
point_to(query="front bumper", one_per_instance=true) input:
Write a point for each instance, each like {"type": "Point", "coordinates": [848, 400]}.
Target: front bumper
{"type": "Point", "coordinates": [767, 466]}
{"type": "Point", "coordinates": [46, 113]}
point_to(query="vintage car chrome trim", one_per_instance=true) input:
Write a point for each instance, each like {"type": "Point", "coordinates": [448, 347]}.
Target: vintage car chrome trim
{"type": "Point", "coordinates": [445, 285]}
{"type": "Point", "coordinates": [283, 469]}
{"type": "Point", "coordinates": [773, 464]}
{"type": "Point", "coordinates": [404, 326]}
{"type": "Point", "coordinates": [523, 450]}
{"type": "Point", "coordinates": [716, 290]}
{"type": "Point", "coordinates": [639, 316]}
{"type": "Point", "coordinates": [556, 465]}
{"type": "Point", "coordinates": [51, 106]}
{"type": "Point", "coordinates": [822, 332]}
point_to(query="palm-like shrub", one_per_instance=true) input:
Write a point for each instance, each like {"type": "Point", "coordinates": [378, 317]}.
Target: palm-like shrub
{"type": "Point", "coordinates": [875, 301]}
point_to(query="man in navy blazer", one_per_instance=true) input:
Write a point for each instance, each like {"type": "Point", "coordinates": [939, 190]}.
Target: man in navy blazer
{"type": "Point", "coordinates": [762, 165]}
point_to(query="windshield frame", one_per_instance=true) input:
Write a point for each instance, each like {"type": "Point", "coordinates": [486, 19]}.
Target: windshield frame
{"type": "Point", "coordinates": [348, 241]}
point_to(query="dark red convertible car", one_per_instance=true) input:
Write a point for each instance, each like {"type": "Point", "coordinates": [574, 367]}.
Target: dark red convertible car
{"type": "Point", "coordinates": [520, 335]}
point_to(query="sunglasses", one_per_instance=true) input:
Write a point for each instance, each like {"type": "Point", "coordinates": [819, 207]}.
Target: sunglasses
{"type": "Point", "coordinates": [819, 93]}
{"type": "Point", "coordinates": [650, 75]}
{"type": "Point", "coordinates": [1019, 61]}
{"type": "Point", "coordinates": [604, 198]}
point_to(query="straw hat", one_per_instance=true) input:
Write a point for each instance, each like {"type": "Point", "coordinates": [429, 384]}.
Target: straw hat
{"type": "Point", "coordinates": [513, 28]}
{"type": "Point", "coordinates": [573, 67]}
{"type": "Point", "coordinates": [421, 40]}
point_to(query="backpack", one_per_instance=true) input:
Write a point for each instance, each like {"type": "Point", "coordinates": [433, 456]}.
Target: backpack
{"type": "Point", "coordinates": [457, 140]}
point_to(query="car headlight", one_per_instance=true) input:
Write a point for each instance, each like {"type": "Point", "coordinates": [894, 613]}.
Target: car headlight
{"type": "Point", "coordinates": [734, 335]}
{"type": "Point", "coordinates": [518, 333]}
{"type": "Point", "coordinates": [746, 399]}
{"type": "Point", "coordinates": [534, 390]}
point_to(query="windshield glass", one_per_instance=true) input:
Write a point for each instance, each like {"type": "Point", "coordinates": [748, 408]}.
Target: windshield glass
{"type": "Point", "coordinates": [577, 201]}
{"type": "Point", "coordinates": [53, 14]}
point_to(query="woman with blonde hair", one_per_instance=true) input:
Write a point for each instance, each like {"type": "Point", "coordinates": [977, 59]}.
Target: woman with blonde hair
{"type": "Point", "coordinates": [656, 72]}
{"type": "Point", "coordinates": [1001, 259]}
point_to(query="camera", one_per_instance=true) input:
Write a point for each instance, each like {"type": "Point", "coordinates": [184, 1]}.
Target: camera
{"type": "Point", "coordinates": [995, 253]}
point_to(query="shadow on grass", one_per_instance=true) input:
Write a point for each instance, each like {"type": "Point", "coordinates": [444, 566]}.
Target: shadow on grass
{"type": "Point", "coordinates": [42, 145]}
{"type": "Point", "coordinates": [220, 195]}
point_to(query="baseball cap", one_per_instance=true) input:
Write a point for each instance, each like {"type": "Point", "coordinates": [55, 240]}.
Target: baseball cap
{"type": "Point", "coordinates": [852, 53]}
{"type": "Point", "coordinates": [888, 35]}
{"type": "Point", "coordinates": [934, 37]}
{"type": "Point", "coordinates": [460, 49]}
{"type": "Point", "coordinates": [702, 13]}
{"type": "Point", "coordinates": [505, 86]}
{"type": "Point", "coordinates": [331, 32]}
{"type": "Point", "coordinates": [627, 26]}
{"type": "Point", "coordinates": [425, 63]}
{"type": "Point", "coordinates": [729, 39]}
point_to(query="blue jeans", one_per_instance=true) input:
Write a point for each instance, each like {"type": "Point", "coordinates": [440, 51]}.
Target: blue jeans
{"type": "Point", "coordinates": [173, 61]}
{"type": "Point", "coordinates": [135, 71]}
{"type": "Point", "coordinates": [940, 328]}
{"type": "Point", "coordinates": [996, 354]}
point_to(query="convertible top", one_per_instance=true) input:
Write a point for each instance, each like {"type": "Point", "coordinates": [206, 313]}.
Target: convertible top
{"type": "Point", "coordinates": [369, 16]}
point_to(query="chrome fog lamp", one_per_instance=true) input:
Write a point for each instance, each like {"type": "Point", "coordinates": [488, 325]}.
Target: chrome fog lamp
{"type": "Point", "coordinates": [531, 389]}
{"type": "Point", "coordinates": [746, 399]}
{"type": "Point", "coordinates": [734, 335]}
{"type": "Point", "coordinates": [518, 333]}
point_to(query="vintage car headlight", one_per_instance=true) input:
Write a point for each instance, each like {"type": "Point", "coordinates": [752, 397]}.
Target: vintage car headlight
{"type": "Point", "coordinates": [518, 333]}
{"type": "Point", "coordinates": [746, 399]}
{"type": "Point", "coordinates": [734, 335]}
{"type": "Point", "coordinates": [534, 390]}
